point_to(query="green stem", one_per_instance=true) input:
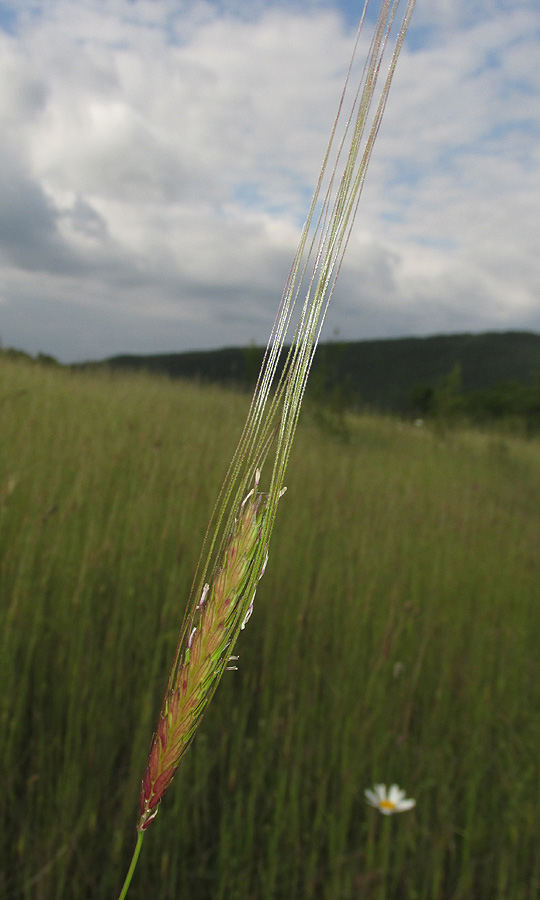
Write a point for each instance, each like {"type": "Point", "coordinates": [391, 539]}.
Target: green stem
{"type": "Point", "coordinates": [384, 856]}
{"type": "Point", "coordinates": [133, 863]}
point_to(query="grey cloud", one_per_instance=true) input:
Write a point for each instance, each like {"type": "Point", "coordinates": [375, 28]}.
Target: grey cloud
{"type": "Point", "coordinates": [84, 219]}
{"type": "Point", "coordinates": [28, 223]}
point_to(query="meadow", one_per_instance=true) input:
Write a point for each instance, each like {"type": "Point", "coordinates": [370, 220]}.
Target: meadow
{"type": "Point", "coordinates": [395, 637]}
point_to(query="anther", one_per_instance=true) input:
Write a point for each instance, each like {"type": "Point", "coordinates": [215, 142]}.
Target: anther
{"type": "Point", "coordinates": [204, 594]}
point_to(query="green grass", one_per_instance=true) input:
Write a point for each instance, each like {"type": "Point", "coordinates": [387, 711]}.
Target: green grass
{"type": "Point", "coordinates": [394, 638]}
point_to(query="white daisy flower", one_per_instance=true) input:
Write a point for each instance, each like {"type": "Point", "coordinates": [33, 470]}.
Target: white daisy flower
{"type": "Point", "coordinates": [388, 803]}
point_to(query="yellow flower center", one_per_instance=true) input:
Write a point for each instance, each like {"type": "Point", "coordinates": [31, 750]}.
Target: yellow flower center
{"type": "Point", "coordinates": [387, 804]}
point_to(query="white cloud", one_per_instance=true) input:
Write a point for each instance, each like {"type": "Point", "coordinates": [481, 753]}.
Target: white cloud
{"type": "Point", "coordinates": [157, 159]}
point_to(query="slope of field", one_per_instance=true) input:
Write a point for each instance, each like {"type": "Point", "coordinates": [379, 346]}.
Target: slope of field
{"type": "Point", "coordinates": [394, 638]}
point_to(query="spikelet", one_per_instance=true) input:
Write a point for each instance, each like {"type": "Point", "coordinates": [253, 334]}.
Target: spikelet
{"type": "Point", "coordinates": [223, 609]}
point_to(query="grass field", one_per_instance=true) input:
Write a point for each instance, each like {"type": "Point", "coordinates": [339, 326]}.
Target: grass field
{"type": "Point", "coordinates": [395, 637]}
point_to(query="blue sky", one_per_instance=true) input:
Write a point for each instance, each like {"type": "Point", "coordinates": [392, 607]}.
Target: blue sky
{"type": "Point", "coordinates": [157, 159]}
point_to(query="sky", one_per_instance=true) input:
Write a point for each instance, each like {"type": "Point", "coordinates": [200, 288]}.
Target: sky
{"type": "Point", "coordinates": [157, 160]}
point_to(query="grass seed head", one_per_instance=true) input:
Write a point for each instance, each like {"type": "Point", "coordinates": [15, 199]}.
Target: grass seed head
{"type": "Point", "coordinates": [236, 562]}
{"type": "Point", "coordinates": [224, 607]}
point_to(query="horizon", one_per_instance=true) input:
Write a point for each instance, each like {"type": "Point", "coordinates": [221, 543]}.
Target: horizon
{"type": "Point", "coordinates": [329, 340]}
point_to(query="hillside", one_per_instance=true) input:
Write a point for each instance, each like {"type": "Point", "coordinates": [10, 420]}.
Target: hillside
{"type": "Point", "coordinates": [380, 374]}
